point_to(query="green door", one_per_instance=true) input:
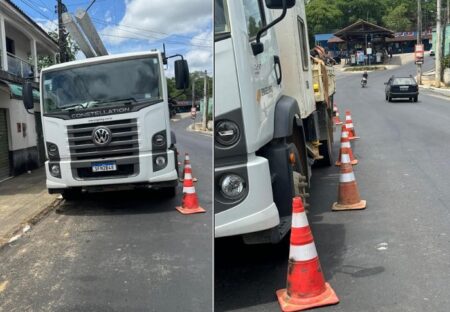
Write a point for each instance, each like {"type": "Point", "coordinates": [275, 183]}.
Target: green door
{"type": "Point", "coordinates": [4, 148]}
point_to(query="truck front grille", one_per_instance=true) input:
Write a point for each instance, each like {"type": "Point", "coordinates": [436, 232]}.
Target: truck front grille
{"type": "Point", "coordinates": [124, 141]}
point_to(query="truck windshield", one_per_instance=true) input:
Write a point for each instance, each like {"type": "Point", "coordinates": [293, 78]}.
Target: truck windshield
{"type": "Point", "coordinates": [221, 27]}
{"type": "Point", "coordinates": [114, 83]}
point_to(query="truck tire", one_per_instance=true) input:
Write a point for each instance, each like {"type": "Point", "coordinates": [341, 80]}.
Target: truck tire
{"type": "Point", "coordinates": [71, 194]}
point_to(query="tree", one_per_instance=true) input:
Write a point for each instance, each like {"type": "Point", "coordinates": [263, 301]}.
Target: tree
{"type": "Point", "coordinates": [187, 95]}
{"type": "Point", "coordinates": [397, 19]}
{"type": "Point", "coordinates": [370, 10]}
{"type": "Point", "coordinates": [72, 49]}
{"type": "Point", "coordinates": [323, 17]}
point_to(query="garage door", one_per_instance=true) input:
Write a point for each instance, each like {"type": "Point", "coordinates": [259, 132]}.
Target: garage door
{"type": "Point", "coordinates": [4, 149]}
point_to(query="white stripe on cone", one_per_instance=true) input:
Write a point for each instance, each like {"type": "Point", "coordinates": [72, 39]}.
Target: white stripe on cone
{"type": "Point", "coordinates": [345, 158]}
{"type": "Point", "coordinates": [347, 117]}
{"type": "Point", "coordinates": [187, 157]}
{"type": "Point", "coordinates": [189, 190]}
{"type": "Point", "coordinates": [299, 220]}
{"type": "Point", "coordinates": [344, 134]}
{"type": "Point", "coordinates": [303, 252]}
{"type": "Point", "coordinates": [187, 166]}
{"type": "Point", "coordinates": [188, 176]}
{"type": "Point", "coordinates": [349, 125]}
{"type": "Point", "coordinates": [345, 144]}
{"type": "Point", "coordinates": [347, 177]}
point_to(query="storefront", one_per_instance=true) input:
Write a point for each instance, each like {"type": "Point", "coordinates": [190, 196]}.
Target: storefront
{"type": "Point", "coordinates": [365, 43]}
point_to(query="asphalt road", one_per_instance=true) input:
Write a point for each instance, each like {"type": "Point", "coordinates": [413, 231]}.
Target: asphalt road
{"type": "Point", "coordinates": [393, 256]}
{"type": "Point", "coordinates": [123, 251]}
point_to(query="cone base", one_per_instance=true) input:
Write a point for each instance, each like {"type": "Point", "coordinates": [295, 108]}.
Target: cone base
{"type": "Point", "coordinates": [338, 123]}
{"type": "Point", "coordinates": [358, 206]}
{"type": "Point", "coordinates": [354, 138]}
{"type": "Point", "coordinates": [353, 162]}
{"type": "Point", "coordinates": [290, 304]}
{"type": "Point", "coordinates": [190, 210]}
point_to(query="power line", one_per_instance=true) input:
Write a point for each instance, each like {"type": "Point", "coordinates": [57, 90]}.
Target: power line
{"type": "Point", "coordinates": [122, 26]}
{"type": "Point", "coordinates": [39, 12]}
{"type": "Point", "coordinates": [146, 38]}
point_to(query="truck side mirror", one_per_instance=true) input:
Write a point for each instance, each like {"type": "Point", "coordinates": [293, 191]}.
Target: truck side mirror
{"type": "Point", "coordinates": [27, 95]}
{"type": "Point", "coordinates": [181, 74]}
{"type": "Point", "coordinates": [278, 4]}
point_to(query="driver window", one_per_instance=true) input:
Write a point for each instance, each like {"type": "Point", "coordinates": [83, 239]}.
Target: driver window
{"type": "Point", "coordinates": [254, 16]}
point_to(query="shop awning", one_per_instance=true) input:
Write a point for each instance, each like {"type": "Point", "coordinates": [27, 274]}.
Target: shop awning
{"type": "Point", "coordinates": [15, 90]}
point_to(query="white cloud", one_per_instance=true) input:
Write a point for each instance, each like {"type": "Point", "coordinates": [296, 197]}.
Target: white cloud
{"type": "Point", "coordinates": [161, 18]}
{"type": "Point", "coordinates": [47, 25]}
{"type": "Point", "coordinates": [108, 17]}
{"type": "Point", "coordinates": [200, 59]}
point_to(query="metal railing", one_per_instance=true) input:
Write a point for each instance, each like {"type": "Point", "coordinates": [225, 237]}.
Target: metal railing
{"type": "Point", "coordinates": [18, 67]}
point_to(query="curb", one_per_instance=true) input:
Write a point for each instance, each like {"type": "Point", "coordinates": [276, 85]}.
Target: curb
{"type": "Point", "coordinates": [25, 226]}
{"type": "Point", "coordinates": [208, 133]}
{"type": "Point", "coordinates": [437, 91]}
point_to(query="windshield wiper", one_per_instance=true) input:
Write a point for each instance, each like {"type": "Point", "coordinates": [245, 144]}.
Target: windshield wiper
{"type": "Point", "coordinates": [72, 107]}
{"type": "Point", "coordinates": [125, 100]}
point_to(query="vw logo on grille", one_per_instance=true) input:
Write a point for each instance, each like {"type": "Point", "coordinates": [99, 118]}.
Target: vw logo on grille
{"type": "Point", "coordinates": [101, 136]}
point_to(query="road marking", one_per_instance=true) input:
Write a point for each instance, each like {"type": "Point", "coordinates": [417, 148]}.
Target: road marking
{"type": "Point", "coordinates": [3, 286]}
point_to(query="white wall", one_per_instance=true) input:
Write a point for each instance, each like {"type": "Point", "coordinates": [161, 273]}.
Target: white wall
{"type": "Point", "coordinates": [18, 114]}
{"type": "Point", "coordinates": [21, 42]}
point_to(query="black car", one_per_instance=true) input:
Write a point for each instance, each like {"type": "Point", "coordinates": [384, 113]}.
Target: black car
{"type": "Point", "coordinates": [402, 87]}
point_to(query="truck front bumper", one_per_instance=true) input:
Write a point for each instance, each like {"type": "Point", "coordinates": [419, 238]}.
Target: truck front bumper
{"type": "Point", "coordinates": [257, 211]}
{"type": "Point", "coordinates": [145, 175]}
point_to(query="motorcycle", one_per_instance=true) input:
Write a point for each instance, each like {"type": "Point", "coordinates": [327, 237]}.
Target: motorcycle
{"type": "Point", "coordinates": [363, 82]}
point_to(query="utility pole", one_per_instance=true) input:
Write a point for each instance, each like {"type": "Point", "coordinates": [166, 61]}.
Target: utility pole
{"type": "Point", "coordinates": [205, 101]}
{"type": "Point", "coordinates": [62, 43]}
{"type": "Point", "coordinates": [419, 39]}
{"type": "Point", "coordinates": [193, 101]}
{"type": "Point", "coordinates": [438, 65]}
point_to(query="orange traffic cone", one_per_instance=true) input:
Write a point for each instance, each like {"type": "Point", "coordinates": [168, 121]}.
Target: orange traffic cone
{"type": "Point", "coordinates": [350, 126]}
{"type": "Point", "coordinates": [346, 147]}
{"type": "Point", "coordinates": [306, 286]}
{"type": "Point", "coordinates": [189, 204]}
{"type": "Point", "coordinates": [348, 198]}
{"type": "Point", "coordinates": [187, 164]}
{"type": "Point", "coordinates": [336, 119]}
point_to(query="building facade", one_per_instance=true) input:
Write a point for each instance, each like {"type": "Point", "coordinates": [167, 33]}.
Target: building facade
{"type": "Point", "coordinates": [22, 42]}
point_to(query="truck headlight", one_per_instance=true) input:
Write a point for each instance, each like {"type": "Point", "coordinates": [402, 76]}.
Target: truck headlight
{"type": "Point", "coordinates": [227, 133]}
{"type": "Point", "coordinates": [52, 151]}
{"type": "Point", "coordinates": [159, 140]}
{"type": "Point", "coordinates": [160, 161]}
{"type": "Point", "coordinates": [232, 186]}
{"type": "Point", "coordinates": [55, 170]}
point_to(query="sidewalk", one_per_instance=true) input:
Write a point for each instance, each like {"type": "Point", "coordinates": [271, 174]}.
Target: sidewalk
{"type": "Point", "coordinates": [440, 91]}
{"type": "Point", "coordinates": [23, 201]}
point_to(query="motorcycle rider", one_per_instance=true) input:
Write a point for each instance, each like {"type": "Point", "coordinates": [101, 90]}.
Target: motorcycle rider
{"type": "Point", "coordinates": [364, 77]}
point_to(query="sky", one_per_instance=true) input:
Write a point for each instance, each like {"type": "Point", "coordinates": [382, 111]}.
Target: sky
{"type": "Point", "coordinates": [185, 27]}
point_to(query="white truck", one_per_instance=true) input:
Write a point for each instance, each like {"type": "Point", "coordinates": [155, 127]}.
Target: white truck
{"type": "Point", "coordinates": [106, 123]}
{"type": "Point", "coordinates": [273, 118]}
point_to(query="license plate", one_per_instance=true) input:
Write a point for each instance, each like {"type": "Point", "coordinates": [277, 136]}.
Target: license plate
{"type": "Point", "coordinates": [404, 88]}
{"type": "Point", "coordinates": [102, 167]}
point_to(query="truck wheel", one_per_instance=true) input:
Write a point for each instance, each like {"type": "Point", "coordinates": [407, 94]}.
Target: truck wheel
{"type": "Point", "coordinates": [71, 194]}
{"type": "Point", "coordinates": [416, 98]}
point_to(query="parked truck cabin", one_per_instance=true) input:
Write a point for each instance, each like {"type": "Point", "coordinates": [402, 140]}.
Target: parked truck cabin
{"type": "Point", "coordinates": [113, 111]}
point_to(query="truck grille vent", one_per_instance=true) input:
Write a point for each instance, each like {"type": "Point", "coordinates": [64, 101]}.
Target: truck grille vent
{"type": "Point", "coordinates": [124, 141]}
